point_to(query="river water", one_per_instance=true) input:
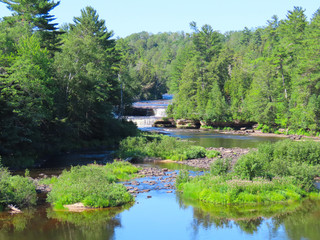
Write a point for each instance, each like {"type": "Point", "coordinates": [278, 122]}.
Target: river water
{"type": "Point", "coordinates": [160, 214]}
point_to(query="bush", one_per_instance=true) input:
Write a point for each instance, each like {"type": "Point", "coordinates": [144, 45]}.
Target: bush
{"type": "Point", "coordinates": [212, 154]}
{"type": "Point", "coordinates": [227, 190]}
{"type": "Point", "coordinates": [91, 185]}
{"type": "Point", "coordinates": [182, 177]}
{"type": "Point", "coordinates": [282, 158]}
{"type": "Point", "coordinates": [16, 190]}
{"type": "Point", "coordinates": [249, 166]}
{"type": "Point", "coordinates": [302, 151]}
{"type": "Point", "coordinates": [160, 146]}
{"type": "Point", "coordinates": [304, 175]}
{"type": "Point", "coordinates": [220, 166]}
{"type": "Point", "coordinates": [121, 170]}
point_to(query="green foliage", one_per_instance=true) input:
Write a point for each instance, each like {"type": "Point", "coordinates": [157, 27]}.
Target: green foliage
{"type": "Point", "coordinates": [227, 190]}
{"type": "Point", "coordinates": [212, 153]}
{"type": "Point", "coordinates": [161, 146]}
{"type": "Point", "coordinates": [54, 100]}
{"type": "Point", "coordinates": [16, 190]}
{"type": "Point", "coordinates": [92, 185]}
{"type": "Point", "coordinates": [121, 170]}
{"type": "Point", "coordinates": [304, 174]}
{"type": "Point", "coordinates": [183, 177]}
{"type": "Point", "coordinates": [37, 15]}
{"type": "Point", "coordinates": [268, 75]}
{"type": "Point", "coordinates": [220, 166]}
{"type": "Point", "coordinates": [249, 166]}
{"type": "Point", "coordinates": [278, 172]}
{"type": "Point", "coordinates": [284, 158]}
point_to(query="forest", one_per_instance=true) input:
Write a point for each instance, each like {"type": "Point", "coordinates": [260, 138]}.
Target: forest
{"type": "Point", "coordinates": [68, 87]}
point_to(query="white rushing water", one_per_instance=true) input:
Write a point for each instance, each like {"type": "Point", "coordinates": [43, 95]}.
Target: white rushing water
{"type": "Point", "coordinates": [143, 122]}
{"type": "Point", "coordinates": [158, 108]}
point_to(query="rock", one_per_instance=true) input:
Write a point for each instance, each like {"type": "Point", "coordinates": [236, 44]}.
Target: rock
{"type": "Point", "coordinates": [282, 130]}
{"type": "Point", "coordinates": [149, 196]}
{"type": "Point", "coordinates": [187, 124]}
{"type": "Point", "coordinates": [135, 183]}
{"type": "Point", "coordinates": [164, 123]}
{"type": "Point", "coordinates": [77, 207]}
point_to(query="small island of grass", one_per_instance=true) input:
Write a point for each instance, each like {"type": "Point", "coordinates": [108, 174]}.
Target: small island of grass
{"type": "Point", "coordinates": [279, 172]}
{"type": "Point", "coordinates": [161, 146]}
{"type": "Point", "coordinates": [94, 186]}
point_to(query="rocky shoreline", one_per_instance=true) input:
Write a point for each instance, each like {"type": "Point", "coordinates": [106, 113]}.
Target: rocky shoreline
{"type": "Point", "coordinates": [152, 178]}
{"type": "Point", "coordinates": [204, 163]}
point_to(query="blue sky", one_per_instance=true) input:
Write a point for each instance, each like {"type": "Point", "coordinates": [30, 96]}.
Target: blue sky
{"type": "Point", "coordinates": [125, 17]}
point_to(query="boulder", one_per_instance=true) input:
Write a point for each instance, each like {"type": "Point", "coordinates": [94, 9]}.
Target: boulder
{"type": "Point", "coordinates": [187, 124]}
{"type": "Point", "coordinates": [164, 123]}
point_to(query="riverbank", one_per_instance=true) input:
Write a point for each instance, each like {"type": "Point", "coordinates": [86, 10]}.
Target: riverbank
{"type": "Point", "coordinates": [243, 132]}
{"type": "Point", "coordinates": [258, 133]}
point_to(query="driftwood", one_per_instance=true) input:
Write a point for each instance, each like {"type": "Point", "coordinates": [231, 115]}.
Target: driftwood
{"type": "Point", "coordinates": [14, 209]}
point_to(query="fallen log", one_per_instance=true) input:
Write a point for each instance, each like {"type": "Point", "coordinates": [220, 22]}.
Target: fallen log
{"type": "Point", "coordinates": [14, 209]}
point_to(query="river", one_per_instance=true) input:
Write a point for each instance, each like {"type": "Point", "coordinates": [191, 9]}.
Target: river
{"type": "Point", "coordinates": [162, 214]}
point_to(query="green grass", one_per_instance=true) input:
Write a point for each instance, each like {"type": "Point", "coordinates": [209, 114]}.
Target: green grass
{"type": "Point", "coordinates": [279, 172]}
{"type": "Point", "coordinates": [16, 190]}
{"type": "Point", "coordinates": [222, 190]}
{"type": "Point", "coordinates": [212, 153]}
{"type": "Point", "coordinates": [93, 185]}
{"type": "Point", "coordinates": [159, 146]}
{"type": "Point", "coordinates": [284, 158]}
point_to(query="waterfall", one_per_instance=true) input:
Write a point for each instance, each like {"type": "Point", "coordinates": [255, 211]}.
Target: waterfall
{"type": "Point", "coordinates": [143, 122]}
{"type": "Point", "coordinates": [157, 109]}
{"type": "Point", "coordinates": [160, 112]}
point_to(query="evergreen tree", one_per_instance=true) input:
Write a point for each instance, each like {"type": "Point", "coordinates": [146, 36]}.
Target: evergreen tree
{"type": "Point", "coordinates": [37, 14]}
{"type": "Point", "coordinates": [87, 71]}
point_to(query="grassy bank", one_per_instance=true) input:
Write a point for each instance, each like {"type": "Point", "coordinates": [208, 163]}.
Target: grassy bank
{"type": "Point", "coordinates": [161, 146]}
{"type": "Point", "coordinates": [93, 185]}
{"type": "Point", "coordinates": [283, 171]}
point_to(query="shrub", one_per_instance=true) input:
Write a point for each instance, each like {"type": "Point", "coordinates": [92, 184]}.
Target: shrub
{"type": "Point", "coordinates": [92, 185]}
{"type": "Point", "coordinates": [302, 151]}
{"type": "Point", "coordinates": [212, 153]}
{"type": "Point", "coordinates": [304, 175]}
{"type": "Point", "coordinates": [161, 146]}
{"type": "Point", "coordinates": [16, 190]}
{"type": "Point", "coordinates": [220, 166]}
{"type": "Point", "coordinates": [182, 177]}
{"type": "Point", "coordinates": [121, 170]}
{"type": "Point", "coordinates": [195, 152]}
{"type": "Point", "coordinates": [226, 190]}
{"type": "Point", "coordinates": [283, 158]}
{"type": "Point", "coordinates": [249, 166]}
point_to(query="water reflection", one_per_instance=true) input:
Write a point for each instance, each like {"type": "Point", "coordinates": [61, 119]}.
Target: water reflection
{"type": "Point", "coordinates": [44, 223]}
{"type": "Point", "coordinates": [299, 220]}
{"type": "Point", "coordinates": [213, 139]}
{"type": "Point", "coordinates": [96, 224]}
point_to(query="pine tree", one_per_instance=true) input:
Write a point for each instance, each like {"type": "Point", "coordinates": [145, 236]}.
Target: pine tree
{"type": "Point", "coordinates": [37, 14]}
